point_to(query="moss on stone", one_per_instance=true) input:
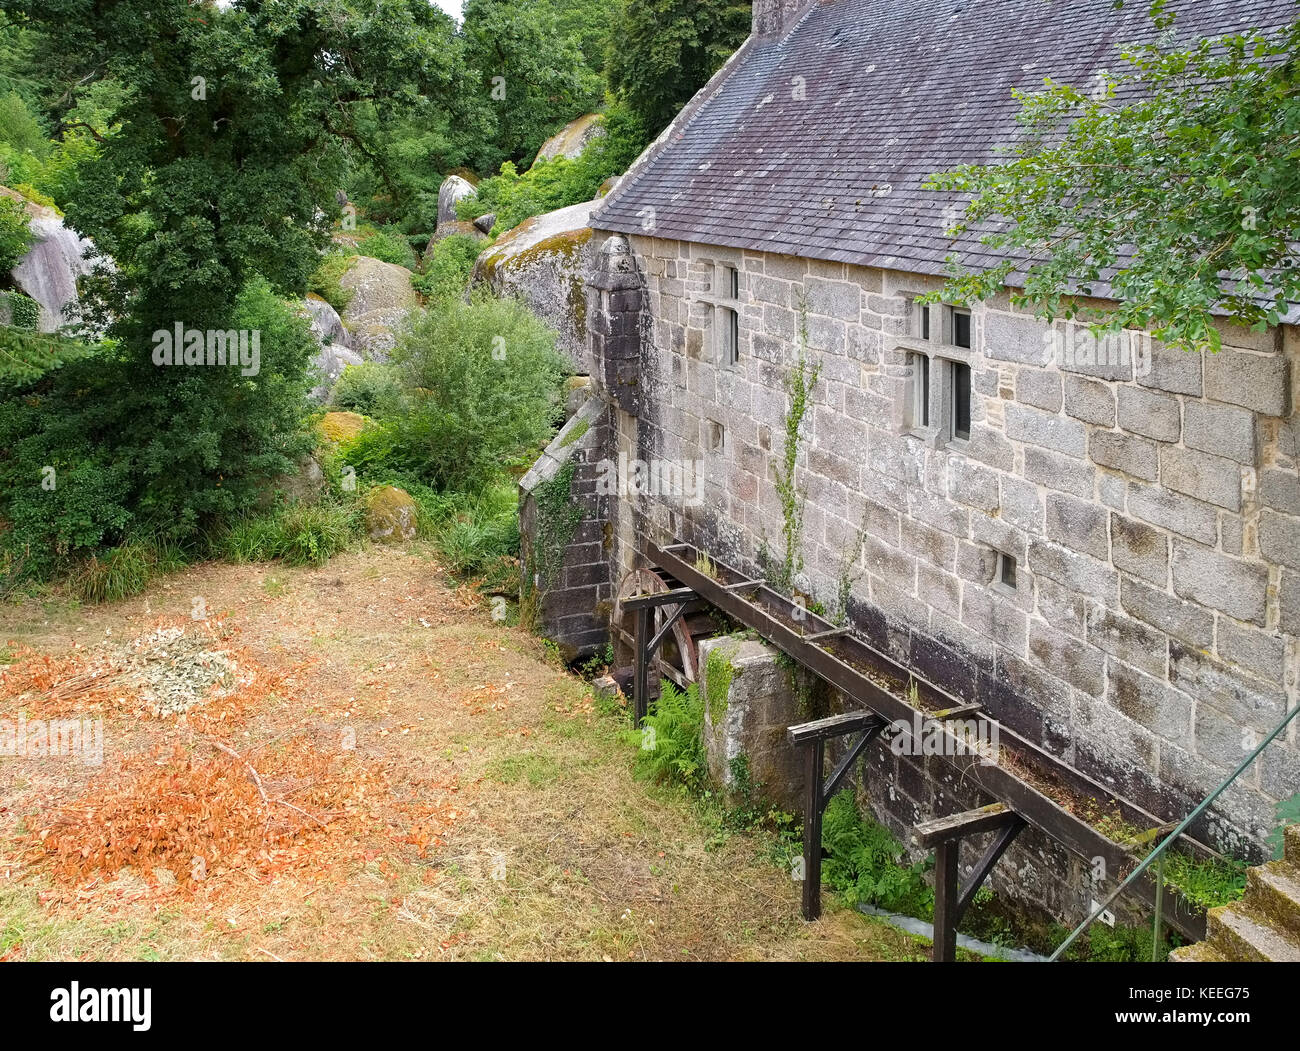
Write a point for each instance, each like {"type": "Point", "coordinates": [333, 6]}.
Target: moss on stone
{"type": "Point", "coordinates": [341, 426]}
{"type": "Point", "coordinates": [719, 673]}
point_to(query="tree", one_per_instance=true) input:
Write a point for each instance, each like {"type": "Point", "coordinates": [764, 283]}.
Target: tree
{"type": "Point", "coordinates": [213, 198]}
{"type": "Point", "coordinates": [663, 51]}
{"type": "Point", "coordinates": [1172, 187]}
{"type": "Point", "coordinates": [531, 77]}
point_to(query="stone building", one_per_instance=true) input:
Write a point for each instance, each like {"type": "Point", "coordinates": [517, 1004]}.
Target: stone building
{"type": "Point", "coordinates": [1100, 543]}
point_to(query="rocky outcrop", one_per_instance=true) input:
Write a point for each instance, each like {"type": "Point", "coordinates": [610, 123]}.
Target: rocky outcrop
{"type": "Point", "coordinates": [543, 261]}
{"type": "Point", "coordinates": [335, 352]}
{"type": "Point", "coordinates": [573, 138]}
{"type": "Point", "coordinates": [50, 269]}
{"type": "Point", "coordinates": [453, 190]}
{"type": "Point", "coordinates": [391, 515]}
{"type": "Point", "coordinates": [382, 297]}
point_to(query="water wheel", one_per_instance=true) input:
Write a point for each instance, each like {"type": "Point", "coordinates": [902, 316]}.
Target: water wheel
{"type": "Point", "coordinates": [678, 657]}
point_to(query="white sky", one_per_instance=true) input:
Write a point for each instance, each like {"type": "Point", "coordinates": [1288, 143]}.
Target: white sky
{"type": "Point", "coordinates": [452, 7]}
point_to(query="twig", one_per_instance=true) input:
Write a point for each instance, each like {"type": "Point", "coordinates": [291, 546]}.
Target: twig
{"type": "Point", "coordinates": [257, 780]}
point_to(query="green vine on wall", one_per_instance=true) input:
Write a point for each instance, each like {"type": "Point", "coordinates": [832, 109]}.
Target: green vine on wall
{"type": "Point", "coordinates": [799, 384]}
{"type": "Point", "coordinates": [558, 518]}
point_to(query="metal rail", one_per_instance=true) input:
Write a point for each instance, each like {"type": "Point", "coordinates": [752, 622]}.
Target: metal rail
{"type": "Point", "coordinates": [1158, 854]}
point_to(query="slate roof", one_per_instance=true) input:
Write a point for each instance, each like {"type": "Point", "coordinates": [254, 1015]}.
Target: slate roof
{"type": "Point", "coordinates": [896, 90]}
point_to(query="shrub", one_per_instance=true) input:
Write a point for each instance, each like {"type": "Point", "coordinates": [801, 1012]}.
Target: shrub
{"type": "Point", "coordinates": [558, 183]}
{"type": "Point", "coordinates": [486, 381]}
{"type": "Point", "coordinates": [447, 270]}
{"type": "Point", "coordinates": [123, 571]}
{"type": "Point", "coordinates": [24, 311]}
{"type": "Point", "coordinates": [15, 237]}
{"type": "Point", "coordinates": [141, 451]}
{"type": "Point", "coordinates": [371, 389]}
{"type": "Point", "coordinates": [388, 247]}
{"type": "Point", "coordinates": [485, 532]}
{"type": "Point", "coordinates": [325, 281]}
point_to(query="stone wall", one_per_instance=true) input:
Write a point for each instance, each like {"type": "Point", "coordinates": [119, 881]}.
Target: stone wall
{"type": "Point", "coordinates": [1149, 497]}
{"type": "Point", "coordinates": [564, 525]}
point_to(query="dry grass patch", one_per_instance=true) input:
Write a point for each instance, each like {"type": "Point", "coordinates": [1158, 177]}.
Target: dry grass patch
{"type": "Point", "coordinates": [384, 774]}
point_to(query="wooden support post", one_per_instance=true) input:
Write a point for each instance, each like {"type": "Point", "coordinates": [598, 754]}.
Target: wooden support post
{"type": "Point", "coordinates": [641, 667]}
{"type": "Point", "coordinates": [945, 835]}
{"type": "Point", "coordinates": [814, 757]}
{"type": "Point", "coordinates": [945, 900]}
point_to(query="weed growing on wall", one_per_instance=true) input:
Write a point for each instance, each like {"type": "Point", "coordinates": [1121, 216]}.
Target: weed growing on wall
{"type": "Point", "coordinates": [799, 385]}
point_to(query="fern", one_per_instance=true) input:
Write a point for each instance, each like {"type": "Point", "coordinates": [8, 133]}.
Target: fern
{"type": "Point", "coordinates": [863, 866]}
{"type": "Point", "coordinates": [672, 749]}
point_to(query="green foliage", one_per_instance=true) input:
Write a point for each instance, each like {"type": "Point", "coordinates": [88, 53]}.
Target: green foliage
{"type": "Point", "coordinates": [15, 237]}
{"type": "Point", "coordinates": [558, 517]}
{"type": "Point", "coordinates": [664, 51]}
{"type": "Point", "coordinates": [718, 673]}
{"type": "Point", "coordinates": [1207, 883]}
{"type": "Point", "coordinates": [324, 281]}
{"type": "Point", "coordinates": [300, 535]}
{"type": "Point", "coordinates": [543, 83]}
{"type": "Point", "coordinates": [448, 268]}
{"type": "Point", "coordinates": [1288, 813]}
{"type": "Point", "coordinates": [1187, 155]}
{"type": "Point", "coordinates": [144, 450]}
{"type": "Point", "coordinates": [370, 389]}
{"type": "Point", "coordinates": [204, 185]}
{"type": "Point", "coordinates": [863, 862]}
{"type": "Point", "coordinates": [799, 384]}
{"type": "Point", "coordinates": [24, 311]}
{"type": "Point", "coordinates": [672, 749]}
{"type": "Point", "coordinates": [558, 183]}
{"type": "Point", "coordinates": [486, 381]}
{"type": "Point", "coordinates": [19, 130]}
{"type": "Point", "coordinates": [486, 531]}
{"type": "Point", "coordinates": [389, 247]}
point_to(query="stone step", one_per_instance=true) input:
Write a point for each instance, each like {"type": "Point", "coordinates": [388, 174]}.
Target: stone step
{"type": "Point", "coordinates": [1200, 952]}
{"type": "Point", "coordinates": [1244, 935]}
{"type": "Point", "coordinates": [1291, 840]}
{"type": "Point", "coordinates": [1274, 889]}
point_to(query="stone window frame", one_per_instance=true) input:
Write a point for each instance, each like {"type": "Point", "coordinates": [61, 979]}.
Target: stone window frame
{"type": "Point", "coordinates": [725, 310]}
{"type": "Point", "coordinates": [942, 354]}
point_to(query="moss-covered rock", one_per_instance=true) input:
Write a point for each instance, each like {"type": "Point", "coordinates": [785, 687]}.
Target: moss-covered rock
{"type": "Point", "coordinates": [544, 261]}
{"type": "Point", "coordinates": [573, 138]}
{"type": "Point", "coordinates": [391, 515]}
{"type": "Point", "coordinates": [340, 426]}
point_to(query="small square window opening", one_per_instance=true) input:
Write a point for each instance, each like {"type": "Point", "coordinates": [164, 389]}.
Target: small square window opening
{"type": "Point", "coordinates": [1007, 570]}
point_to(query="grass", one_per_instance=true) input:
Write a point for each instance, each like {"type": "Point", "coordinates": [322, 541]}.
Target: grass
{"type": "Point", "coordinates": [301, 535]}
{"type": "Point", "coordinates": [123, 571]}
{"type": "Point", "coordinates": [1207, 883]}
{"type": "Point", "coordinates": [598, 864]}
